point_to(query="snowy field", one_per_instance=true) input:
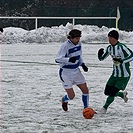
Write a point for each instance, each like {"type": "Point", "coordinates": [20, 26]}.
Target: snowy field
{"type": "Point", "coordinates": [31, 93]}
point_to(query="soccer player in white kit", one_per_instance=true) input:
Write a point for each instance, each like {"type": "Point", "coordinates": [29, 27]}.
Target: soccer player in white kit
{"type": "Point", "coordinates": [70, 58]}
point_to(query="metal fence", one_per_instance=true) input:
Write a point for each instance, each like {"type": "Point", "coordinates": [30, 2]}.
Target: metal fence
{"type": "Point", "coordinates": [73, 19]}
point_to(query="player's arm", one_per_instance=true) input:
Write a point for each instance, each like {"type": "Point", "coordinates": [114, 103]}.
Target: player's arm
{"type": "Point", "coordinates": [128, 53]}
{"type": "Point", "coordinates": [62, 55]}
{"type": "Point", "coordinates": [103, 55]}
{"type": "Point", "coordinates": [82, 64]}
{"type": "Point", "coordinates": [81, 59]}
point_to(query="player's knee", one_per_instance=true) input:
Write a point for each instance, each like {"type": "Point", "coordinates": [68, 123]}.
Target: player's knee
{"type": "Point", "coordinates": [86, 91]}
{"type": "Point", "coordinates": [111, 95]}
{"type": "Point", "coordinates": [107, 90]}
{"type": "Point", "coordinates": [114, 91]}
{"type": "Point", "coordinates": [106, 93]}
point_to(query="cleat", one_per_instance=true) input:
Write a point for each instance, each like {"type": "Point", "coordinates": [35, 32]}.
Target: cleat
{"type": "Point", "coordinates": [125, 96]}
{"type": "Point", "coordinates": [102, 111]}
{"type": "Point", "coordinates": [95, 112]}
{"type": "Point", "coordinates": [64, 105]}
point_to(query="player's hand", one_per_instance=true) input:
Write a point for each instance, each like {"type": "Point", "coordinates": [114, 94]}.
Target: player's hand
{"type": "Point", "coordinates": [72, 59]}
{"type": "Point", "coordinates": [100, 52]}
{"type": "Point", "coordinates": [85, 68]}
{"type": "Point", "coordinates": [118, 59]}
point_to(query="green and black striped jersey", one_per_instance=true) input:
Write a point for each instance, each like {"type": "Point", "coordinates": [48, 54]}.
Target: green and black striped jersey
{"type": "Point", "coordinates": [121, 51]}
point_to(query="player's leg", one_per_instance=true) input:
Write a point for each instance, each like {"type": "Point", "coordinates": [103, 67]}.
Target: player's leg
{"type": "Point", "coordinates": [121, 84]}
{"type": "Point", "coordinates": [81, 83]}
{"type": "Point", "coordinates": [85, 94]}
{"type": "Point", "coordinates": [67, 84]}
{"type": "Point", "coordinates": [109, 92]}
{"type": "Point", "coordinates": [110, 84]}
{"type": "Point", "coordinates": [111, 96]}
{"type": "Point", "coordinates": [70, 95]}
{"type": "Point", "coordinates": [113, 91]}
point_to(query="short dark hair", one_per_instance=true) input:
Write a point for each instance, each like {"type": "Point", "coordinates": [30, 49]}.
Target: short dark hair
{"type": "Point", "coordinates": [74, 33]}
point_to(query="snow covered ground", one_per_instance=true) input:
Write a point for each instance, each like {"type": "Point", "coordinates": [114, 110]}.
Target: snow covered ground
{"type": "Point", "coordinates": [31, 90]}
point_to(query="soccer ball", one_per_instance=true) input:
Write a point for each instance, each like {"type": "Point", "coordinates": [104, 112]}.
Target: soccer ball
{"type": "Point", "coordinates": [88, 113]}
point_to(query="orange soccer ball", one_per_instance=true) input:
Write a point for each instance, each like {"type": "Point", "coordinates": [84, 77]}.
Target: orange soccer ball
{"type": "Point", "coordinates": [88, 113]}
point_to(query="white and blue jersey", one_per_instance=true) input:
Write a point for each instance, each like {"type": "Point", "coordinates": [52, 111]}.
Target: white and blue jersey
{"type": "Point", "coordinates": [68, 70]}
{"type": "Point", "coordinates": [67, 50]}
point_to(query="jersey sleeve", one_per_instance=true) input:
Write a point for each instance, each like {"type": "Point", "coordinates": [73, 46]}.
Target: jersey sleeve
{"type": "Point", "coordinates": [62, 55]}
{"type": "Point", "coordinates": [81, 61]}
{"type": "Point", "coordinates": [128, 54]}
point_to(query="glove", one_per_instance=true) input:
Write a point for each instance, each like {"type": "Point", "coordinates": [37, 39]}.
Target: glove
{"type": "Point", "coordinates": [118, 59]}
{"type": "Point", "coordinates": [100, 52]}
{"type": "Point", "coordinates": [72, 59]}
{"type": "Point", "coordinates": [85, 68]}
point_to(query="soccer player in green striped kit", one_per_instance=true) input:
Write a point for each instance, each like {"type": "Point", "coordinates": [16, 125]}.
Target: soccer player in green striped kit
{"type": "Point", "coordinates": [121, 56]}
